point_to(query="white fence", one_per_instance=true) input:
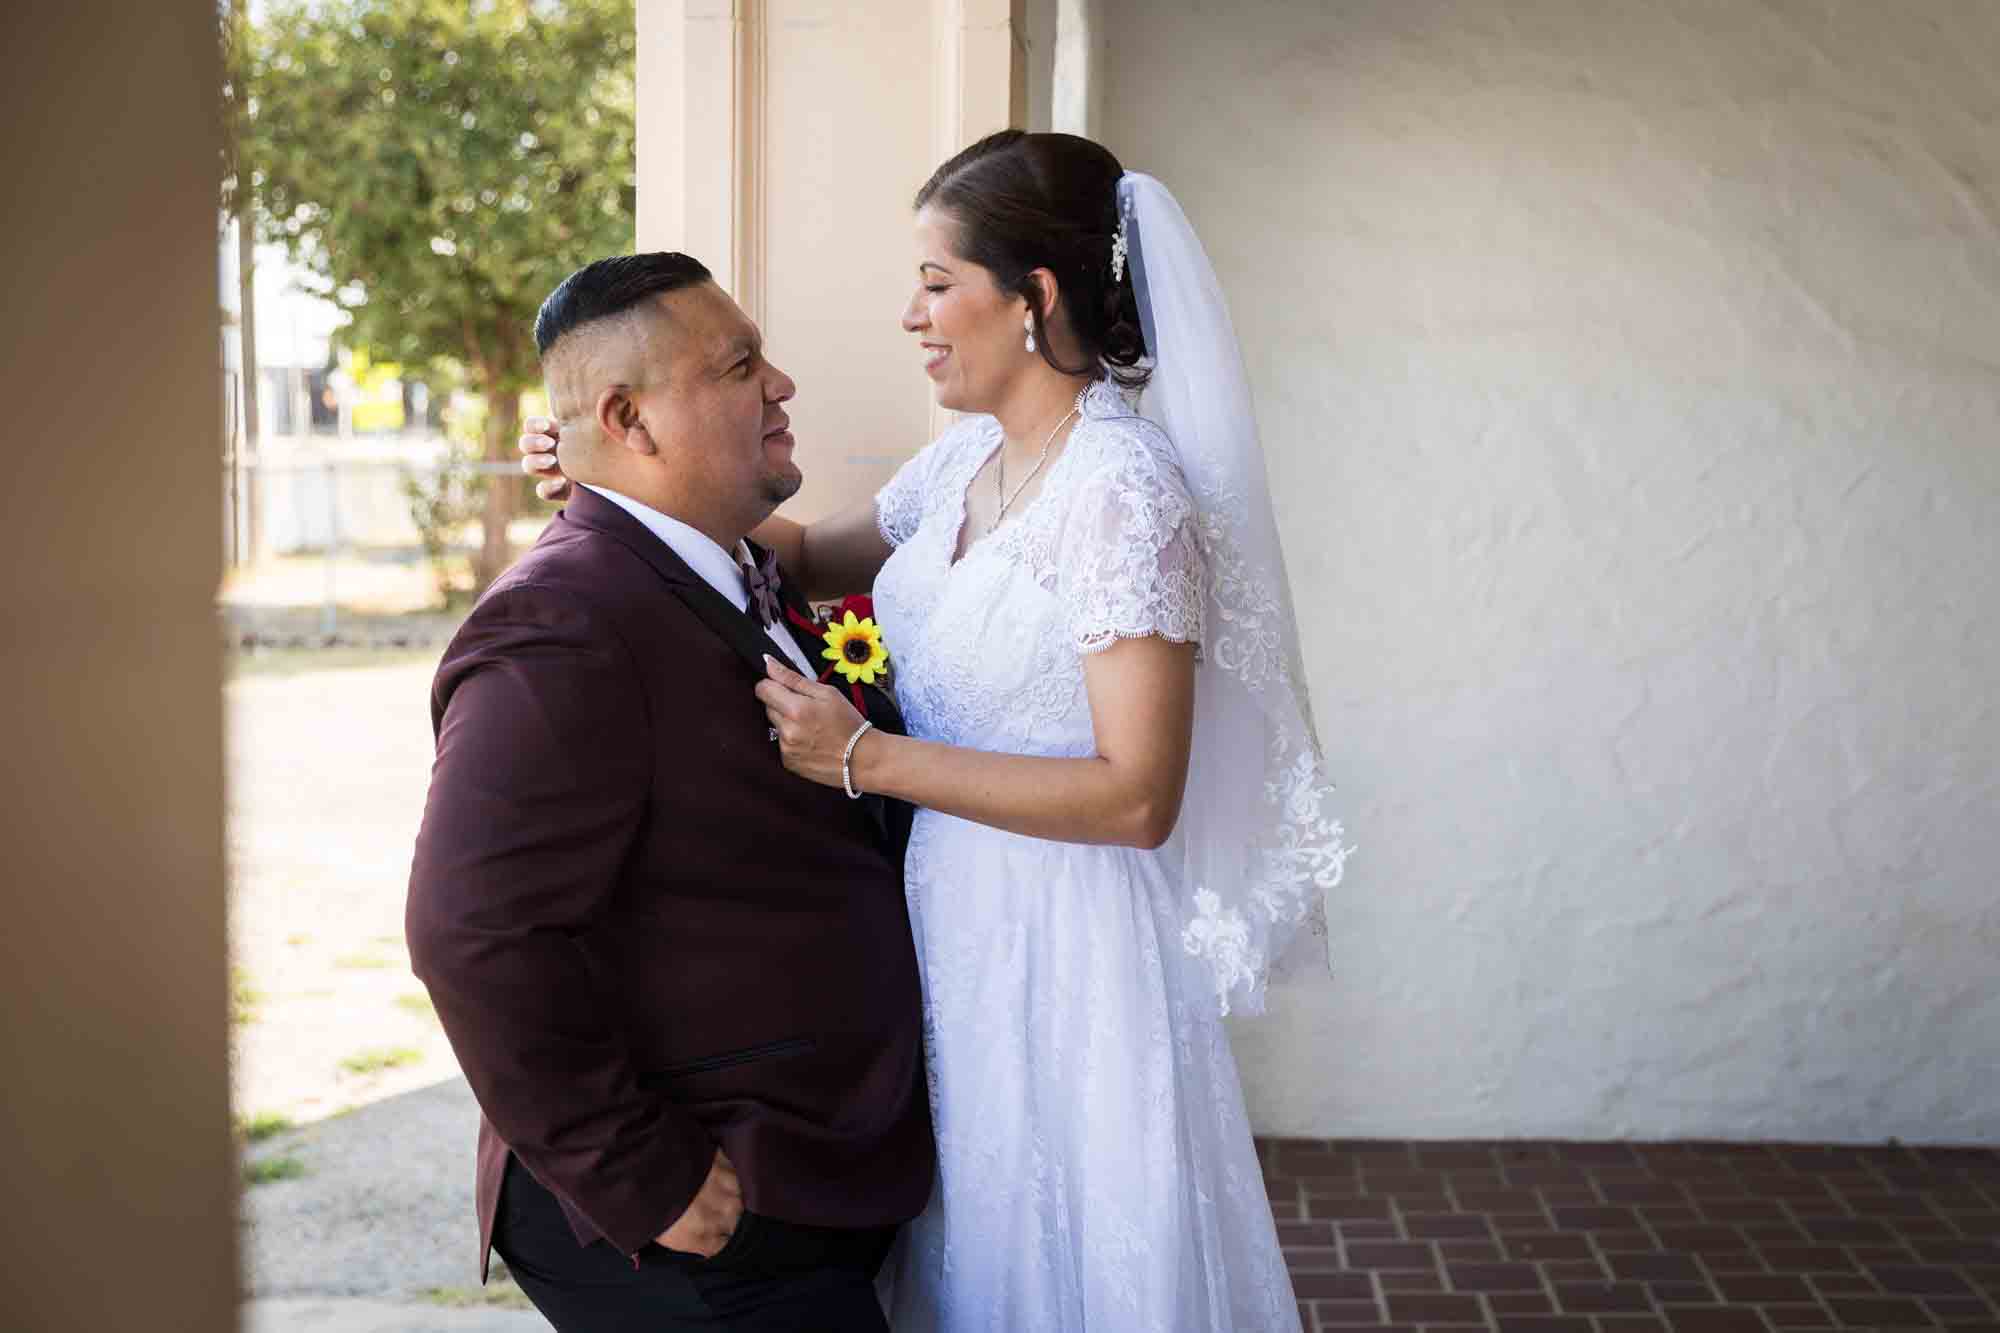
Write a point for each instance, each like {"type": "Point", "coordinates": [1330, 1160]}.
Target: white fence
{"type": "Point", "coordinates": [315, 498]}
{"type": "Point", "coordinates": [320, 493]}
{"type": "Point", "coordinates": [344, 501]}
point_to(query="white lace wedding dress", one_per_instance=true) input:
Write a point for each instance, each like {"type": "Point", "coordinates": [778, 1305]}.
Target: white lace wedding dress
{"type": "Point", "coordinates": [1096, 1171]}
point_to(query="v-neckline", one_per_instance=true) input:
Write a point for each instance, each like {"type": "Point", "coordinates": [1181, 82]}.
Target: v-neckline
{"type": "Point", "coordinates": [955, 557]}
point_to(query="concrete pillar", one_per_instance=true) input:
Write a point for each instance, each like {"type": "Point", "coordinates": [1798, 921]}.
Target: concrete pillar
{"type": "Point", "coordinates": [1076, 100]}
{"type": "Point", "coordinates": [980, 60]}
{"type": "Point", "coordinates": [114, 1104]}
{"type": "Point", "coordinates": [659, 106]}
{"type": "Point", "coordinates": [781, 142]}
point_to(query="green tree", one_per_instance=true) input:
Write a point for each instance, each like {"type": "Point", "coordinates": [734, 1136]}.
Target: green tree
{"type": "Point", "coordinates": [440, 165]}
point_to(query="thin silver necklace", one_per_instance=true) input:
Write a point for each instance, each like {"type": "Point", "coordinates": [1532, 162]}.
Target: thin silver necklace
{"type": "Point", "coordinates": [1000, 472]}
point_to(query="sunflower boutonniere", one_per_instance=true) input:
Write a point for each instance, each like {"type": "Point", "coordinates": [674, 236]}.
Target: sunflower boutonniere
{"type": "Point", "coordinates": [854, 643]}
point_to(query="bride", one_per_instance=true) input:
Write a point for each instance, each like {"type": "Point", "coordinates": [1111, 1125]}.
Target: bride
{"type": "Point", "coordinates": [1122, 805]}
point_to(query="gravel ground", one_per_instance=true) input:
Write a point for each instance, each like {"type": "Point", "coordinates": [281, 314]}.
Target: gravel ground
{"type": "Point", "coordinates": [282, 1316]}
{"type": "Point", "coordinates": [328, 769]}
{"type": "Point", "coordinates": [384, 1209]}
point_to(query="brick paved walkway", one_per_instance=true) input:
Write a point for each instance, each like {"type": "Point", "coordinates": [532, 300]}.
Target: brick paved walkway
{"type": "Point", "coordinates": [1637, 1238]}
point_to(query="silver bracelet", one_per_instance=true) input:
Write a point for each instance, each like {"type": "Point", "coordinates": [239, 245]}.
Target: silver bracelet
{"type": "Point", "coordinates": [847, 774]}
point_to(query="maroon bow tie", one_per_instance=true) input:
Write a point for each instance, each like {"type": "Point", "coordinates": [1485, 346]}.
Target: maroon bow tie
{"type": "Point", "coordinates": [762, 580]}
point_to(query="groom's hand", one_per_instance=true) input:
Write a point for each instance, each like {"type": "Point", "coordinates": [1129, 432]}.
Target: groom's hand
{"type": "Point", "coordinates": [711, 1219]}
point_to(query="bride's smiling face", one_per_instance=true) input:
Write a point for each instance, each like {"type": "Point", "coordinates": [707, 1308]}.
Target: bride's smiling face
{"type": "Point", "coordinates": [970, 331]}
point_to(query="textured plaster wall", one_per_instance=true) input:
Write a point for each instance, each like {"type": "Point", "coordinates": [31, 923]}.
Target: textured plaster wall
{"type": "Point", "coordinates": [1631, 376]}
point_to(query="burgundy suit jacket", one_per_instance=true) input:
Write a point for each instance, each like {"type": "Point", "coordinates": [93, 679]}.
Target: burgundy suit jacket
{"type": "Point", "coordinates": [644, 938]}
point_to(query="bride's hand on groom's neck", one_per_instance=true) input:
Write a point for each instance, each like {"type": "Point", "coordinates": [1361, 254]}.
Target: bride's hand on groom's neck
{"type": "Point", "coordinates": [538, 459]}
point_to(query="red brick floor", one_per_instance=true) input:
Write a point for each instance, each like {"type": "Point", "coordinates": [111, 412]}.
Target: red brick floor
{"type": "Point", "coordinates": [1520, 1237]}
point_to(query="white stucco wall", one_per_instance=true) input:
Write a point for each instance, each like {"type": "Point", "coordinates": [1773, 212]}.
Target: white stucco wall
{"type": "Point", "coordinates": [1631, 375]}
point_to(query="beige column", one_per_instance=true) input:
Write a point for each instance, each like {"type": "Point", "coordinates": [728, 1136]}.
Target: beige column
{"type": "Point", "coordinates": [1076, 99]}
{"type": "Point", "coordinates": [721, 103]}
{"type": "Point", "coordinates": [660, 105]}
{"type": "Point", "coordinates": [114, 1126]}
{"type": "Point", "coordinates": [781, 142]}
{"type": "Point", "coordinates": [980, 59]}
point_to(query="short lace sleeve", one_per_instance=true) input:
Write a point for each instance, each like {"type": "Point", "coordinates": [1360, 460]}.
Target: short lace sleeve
{"type": "Point", "coordinates": [903, 501]}
{"type": "Point", "coordinates": [899, 505]}
{"type": "Point", "coordinates": [1129, 558]}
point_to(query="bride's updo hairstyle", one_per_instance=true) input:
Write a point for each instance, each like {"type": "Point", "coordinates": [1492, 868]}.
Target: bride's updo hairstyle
{"type": "Point", "coordinates": [1026, 201]}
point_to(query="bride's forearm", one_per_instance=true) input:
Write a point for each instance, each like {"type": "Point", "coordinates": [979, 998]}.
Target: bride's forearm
{"type": "Point", "coordinates": [829, 557]}
{"type": "Point", "coordinates": [1127, 794]}
{"type": "Point", "coordinates": [1063, 800]}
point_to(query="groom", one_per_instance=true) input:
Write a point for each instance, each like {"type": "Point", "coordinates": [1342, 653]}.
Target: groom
{"type": "Point", "coordinates": [680, 980]}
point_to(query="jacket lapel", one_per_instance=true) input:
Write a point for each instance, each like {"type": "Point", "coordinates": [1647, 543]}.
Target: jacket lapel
{"type": "Point", "coordinates": [740, 630]}
{"type": "Point", "coordinates": [737, 629]}
{"type": "Point", "coordinates": [589, 510]}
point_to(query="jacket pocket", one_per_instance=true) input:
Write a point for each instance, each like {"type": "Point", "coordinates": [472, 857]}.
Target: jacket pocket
{"type": "Point", "coordinates": [708, 1064]}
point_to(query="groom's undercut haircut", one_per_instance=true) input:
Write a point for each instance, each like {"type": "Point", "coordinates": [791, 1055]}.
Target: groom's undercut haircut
{"type": "Point", "coordinates": [610, 287]}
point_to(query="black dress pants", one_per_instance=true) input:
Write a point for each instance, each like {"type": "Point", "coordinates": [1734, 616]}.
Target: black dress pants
{"type": "Point", "coordinates": [772, 1276]}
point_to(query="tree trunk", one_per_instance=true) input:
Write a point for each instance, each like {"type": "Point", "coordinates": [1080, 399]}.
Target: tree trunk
{"type": "Point", "coordinates": [503, 428]}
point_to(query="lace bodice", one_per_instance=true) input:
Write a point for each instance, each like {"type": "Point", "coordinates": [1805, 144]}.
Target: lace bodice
{"type": "Point", "coordinates": [989, 651]}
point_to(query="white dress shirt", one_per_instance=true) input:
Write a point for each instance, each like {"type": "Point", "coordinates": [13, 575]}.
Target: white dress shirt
{"type": "Point", "coordinates": [720, 570]}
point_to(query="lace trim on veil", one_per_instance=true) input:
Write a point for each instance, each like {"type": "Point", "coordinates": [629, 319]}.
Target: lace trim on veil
{"type": "Point", "coordinates": [1261, 843]}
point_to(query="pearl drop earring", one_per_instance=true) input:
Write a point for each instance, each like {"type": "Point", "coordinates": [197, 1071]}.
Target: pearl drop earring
{"type": "Point", "coordinates": [1028, 323]}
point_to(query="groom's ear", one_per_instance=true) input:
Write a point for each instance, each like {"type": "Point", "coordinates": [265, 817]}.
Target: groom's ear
{"type": "Point", "coordinates": [618, 417]}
